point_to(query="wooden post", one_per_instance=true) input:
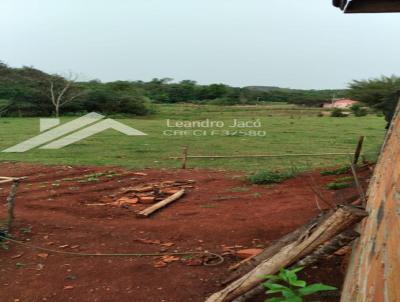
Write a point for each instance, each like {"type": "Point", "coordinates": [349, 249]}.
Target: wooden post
{"type": "Point", "coordinates": [11, 204]}
{"type": "Point", "coordinates": [358, 150]}
{"type": "Point", "coordinates": [184, 157]}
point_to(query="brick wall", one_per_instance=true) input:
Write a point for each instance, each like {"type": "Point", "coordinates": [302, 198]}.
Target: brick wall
{"type": "Point", "coordinates": [374, 271]}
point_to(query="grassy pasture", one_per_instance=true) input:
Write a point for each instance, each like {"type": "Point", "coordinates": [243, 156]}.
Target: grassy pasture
{"type": "Point", "coordinates": [287, 129]}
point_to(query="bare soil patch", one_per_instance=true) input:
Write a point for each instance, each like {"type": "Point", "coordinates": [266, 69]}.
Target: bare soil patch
{"type": "Point", "coordinates": [56, 208]}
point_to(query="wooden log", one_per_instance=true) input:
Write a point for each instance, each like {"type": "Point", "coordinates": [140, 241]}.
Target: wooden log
{"type": "Point", "coordinates": [4, 180]}
{"type": "Point", "coordinates": [324, 251]}
{"type": "Point", "coordinates": [339, 221]}
{"type": "Point", "coordinates": [247, 266]}
{"type": "Point", "coordinates": [150, 210]}
{"type": "Point", "coordinates": [328, 248]}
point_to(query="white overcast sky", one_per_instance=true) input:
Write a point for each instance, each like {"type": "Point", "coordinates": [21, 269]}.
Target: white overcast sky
{"type": "Point", "coordinates": [287, 43]}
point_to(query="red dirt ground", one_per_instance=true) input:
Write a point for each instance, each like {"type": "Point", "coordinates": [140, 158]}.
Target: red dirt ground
{"type": "Point", "coordinates": [222, 209]}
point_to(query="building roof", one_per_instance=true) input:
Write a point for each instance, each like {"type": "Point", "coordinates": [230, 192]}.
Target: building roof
{"type": "Point", "coordinates": [368, 6]}
{"type": "Point", "coordinates": [345, 101]}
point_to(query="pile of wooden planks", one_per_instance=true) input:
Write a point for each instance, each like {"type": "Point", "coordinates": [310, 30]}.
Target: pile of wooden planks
{"type": "Point", "coordinates": [158, 195]}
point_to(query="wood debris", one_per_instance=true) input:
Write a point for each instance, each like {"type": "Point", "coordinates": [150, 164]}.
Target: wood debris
{"type": "Point", "coordinates": [149, 193]}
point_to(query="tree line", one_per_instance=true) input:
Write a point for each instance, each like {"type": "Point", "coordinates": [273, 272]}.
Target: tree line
{"type": "Point", "coordinates": [28, 91]}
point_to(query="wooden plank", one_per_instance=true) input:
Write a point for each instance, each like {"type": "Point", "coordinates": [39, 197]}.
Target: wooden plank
{"type": "Point", "coordinates": [4, 179]}
{"type": "Point", "coordinates": [147, 212]}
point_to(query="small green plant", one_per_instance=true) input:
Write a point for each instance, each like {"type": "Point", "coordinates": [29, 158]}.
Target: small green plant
{"type": "Point", "coordinates": [26, 230]}
{"type": "Point", "coordinates": [337, 185]}
{"type": "Point", "coordinates": [341, 170]}
{"type": "Point", "coordinates": [345, 179]}
{"type": "Point", "coordinates": [291, 289]}
{"type": "Point", "coordinates": [93, 177]}
{"type": "Point", "coordinates": [20, 265]}
{"type": "Point", "coordinates": [340, 183]}
{"type": "Point", "coordinates": [270, 177]}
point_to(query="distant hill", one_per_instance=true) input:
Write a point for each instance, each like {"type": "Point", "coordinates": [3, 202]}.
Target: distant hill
{"type": "Point", "coordinates": [263, 88]}
{"type": "Point", "coordinates": [275, 88]}
{"type": "Point", "coordinates": [307, 97]}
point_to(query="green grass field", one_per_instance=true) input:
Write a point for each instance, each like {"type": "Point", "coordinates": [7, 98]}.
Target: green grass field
{"type": "Point", "coordinates": [287, 129]}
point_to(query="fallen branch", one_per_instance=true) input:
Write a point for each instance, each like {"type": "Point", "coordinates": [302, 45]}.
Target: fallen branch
{"type": "Point", "coordinates": [150, 210]}
{"type": "Point", "coordinates": [310, 240]}
{"type": "Point", "coordinates": [4, 180]}
{"type": "Point", "coordinates": [328, 248]}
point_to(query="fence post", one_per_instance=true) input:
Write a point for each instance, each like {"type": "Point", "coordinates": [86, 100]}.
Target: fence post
{"type": "Point", "coordinates": [184, 157]}
{"type": "Point", "coordinates": [11, 204]}
{"type": "Point", "coordinates": [358, 150]}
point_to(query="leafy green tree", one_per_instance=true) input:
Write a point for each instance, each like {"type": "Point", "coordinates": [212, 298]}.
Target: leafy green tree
{"type": "Point", "coordinates": [380, 93]}
{"type": "Point", "coordinates": [24, 88]}
{"type": "Point", "coordinates": [106, 100]}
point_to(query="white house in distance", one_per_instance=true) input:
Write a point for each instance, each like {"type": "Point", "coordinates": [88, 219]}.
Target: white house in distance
{"type": "Point", "coordinates": [340, 103]}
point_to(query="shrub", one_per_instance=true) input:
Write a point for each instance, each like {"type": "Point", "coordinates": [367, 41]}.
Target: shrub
{"type": "Point", "coordinates": [336, 185]}
{"type": "Point", "coordinates": [358, 110]}
{"type": "Point", "coordinates": [341, 170]}
{"type": "Point", "coordinates": [337, 112]}
{"type": "Point", "coordinates": [110, 102]}
{"type": "Point", "coordinates": [270, 177]}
